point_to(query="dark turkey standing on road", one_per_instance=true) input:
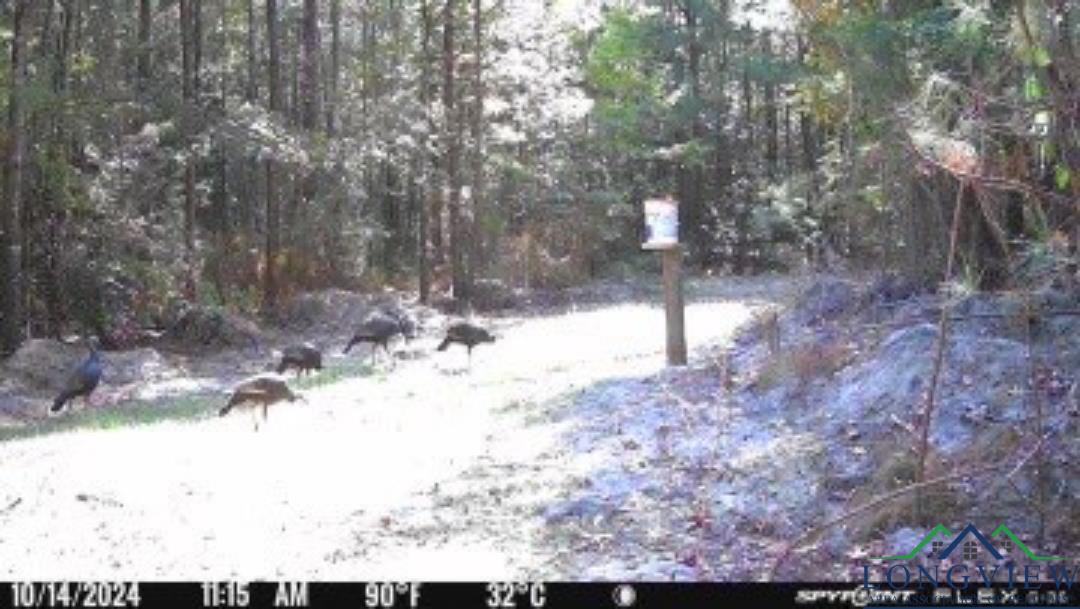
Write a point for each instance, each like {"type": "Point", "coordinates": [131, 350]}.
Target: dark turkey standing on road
{"type": "Point", "coordinates": [406, 322]}
{"type": "Point", "coordinates": [82, 381]}
{"type": "Point", "coordinates": [466, 334]}
{"type": "Point", "coordinates": [305, 358]}
{"type": "Point", "coordinates": [260, 391]}
{"type": "Point", "coordinates": [378, 329]}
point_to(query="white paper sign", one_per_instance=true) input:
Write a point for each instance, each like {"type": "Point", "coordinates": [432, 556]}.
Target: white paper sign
{"type": "Point", "coordinates": [661, 224]}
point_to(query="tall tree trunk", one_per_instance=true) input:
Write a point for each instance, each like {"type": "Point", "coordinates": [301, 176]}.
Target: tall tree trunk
{"type": "Point", "coordinates": [251, 91]}
{"type": "Point", "coordinates": [748, 94]}
{"type": "Point", "coordinates": [309, 66]}
{"type": "Point", "coordinates": [391, 216]}
{"type": "Point", "coordinates": [789, 147]}
{"type": "Point", "coordinates": [458, 276]}
{"type": "Point", "coordinates": [145, 23]}
{"type": "Point", "coordinates": [187, 52]}
{"type": "Point", "coordinates": [62, 57]}
{"type": "Point", "coordinates": [249, 198]}
{"type": "Point", "coordinates": [270, 284]}
{"type": "Point", "coordinates": [743, 209]}
{"type": "Point", "coordinates": [436, 223]}
{"type": "Point", "coordinates": [47, 228]}
{"type": "Point", "coordinates": [311, 115]}
{"type": "Point", "coordinates": [395, 178]}
{"type": "Point", "coordinates": [224, 215]}
{"type": "Point", "coordinates": [423, 263]}
{"type": "Point", "coordinates": [772, 142]}
{"type": "Point", "coordinates": [332, 99]}
{"type": "Point", "coordinates": [103, 24]}
{"type": "Point", "coordinates": [367, 16]}
{"type": "Point", "coordinates": [334, 252]}
{"type": "Point", "coordinates": [294, 45]}
{"type": "Point", "coordinates": [47, 23]}
{"type": "Point", "coordinates": [77, 38]}
{"type": "Point", "coordinates": [11, 314]}
{"type": "Point", "coordinates": [472, 228]}
{"type": "Point", "coordinates": [806, 132]}
{"type": "Point", "coordinates": [718, 31]}
{"type": "Point", "coordinates": [197, 46]}
{"type": "Point", "coordinates": [692, 170]}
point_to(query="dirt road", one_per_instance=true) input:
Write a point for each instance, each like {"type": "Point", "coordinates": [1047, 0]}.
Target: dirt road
{"type": "Point", "coordinates": [424, 470]}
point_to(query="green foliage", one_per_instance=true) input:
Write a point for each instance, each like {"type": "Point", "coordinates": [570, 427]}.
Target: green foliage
{"type": "Point", "coordinates": [1033, 88]}
{"type": "Point", "coordinates": [872, 51]}
{"type": "Point", "coordinates": [1037, 56]}
{"type": "Point", "coordinates": [627, 91]}
{"type": "Point", "coordinates": [57, 180]}
{"type": "Point", "coordinates": [83, 64]}
{"type": "Point", "coordinates": [1062, 176]}
{"type": "Point", "coordinates": [617, 62]}
{"type": "Point", "coordinates": [584, 117]}
{"type": "Point", "coordinates": [947, 38]}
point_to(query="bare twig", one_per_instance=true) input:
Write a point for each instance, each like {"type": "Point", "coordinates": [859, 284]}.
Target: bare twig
{"type": "Point", "coordinates": [968, 317]}
{"type": "Point", "coordinates": [939, 355]}
{"type": "Point", "coordinates": [11, 505]}
{"type": "Point", "coordinates": [1035, 396]}
{"type": "Point", "coordinates": [876, 501]}
{"type": "Point", "coordinates": [1012, 473]}
{"type": "Point", "coordinates": [1060, 313]}
{"type": "Point", "coordinates": [86, 497]}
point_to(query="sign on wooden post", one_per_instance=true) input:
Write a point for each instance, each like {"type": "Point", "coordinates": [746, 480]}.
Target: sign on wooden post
{"type": "Point", "coordinates": [662, 234]}
{"type": "Point", "coordinates": [661, 224]}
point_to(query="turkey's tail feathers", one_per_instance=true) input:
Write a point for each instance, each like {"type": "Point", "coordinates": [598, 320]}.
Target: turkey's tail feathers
{"type": "Point", "coordinates": [444, 344]}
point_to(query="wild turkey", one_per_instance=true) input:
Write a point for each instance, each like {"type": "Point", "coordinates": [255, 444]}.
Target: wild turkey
{"type": "Point", "coordinates": [82, 381]}
{"type": "Point", "coordinates": [466, 334]}
{"type": "Point", "coordinates": [260, 391]}
{"type": "Point", "coordinates": [377, 329]}
{"type": "Point", "coordinates": [406, 322]}
{"type": "Point", "coordinates": [305, 358]}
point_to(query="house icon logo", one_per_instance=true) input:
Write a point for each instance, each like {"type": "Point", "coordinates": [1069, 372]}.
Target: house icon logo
{"type": "Point", "coordinates": [968, 542]}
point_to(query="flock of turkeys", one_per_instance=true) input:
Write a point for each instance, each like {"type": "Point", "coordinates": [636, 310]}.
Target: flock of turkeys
{"type": "Point", "coordinates": [263, 390]}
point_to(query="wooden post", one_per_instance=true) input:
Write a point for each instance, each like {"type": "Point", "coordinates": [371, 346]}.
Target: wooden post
{"type": "Point", "coordinates": [662, 233]}
{"type": "Point", "coordinates": [673, 305]}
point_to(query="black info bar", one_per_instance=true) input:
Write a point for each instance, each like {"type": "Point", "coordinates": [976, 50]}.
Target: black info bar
{"type": "Point", "coordinates": [508, 595]}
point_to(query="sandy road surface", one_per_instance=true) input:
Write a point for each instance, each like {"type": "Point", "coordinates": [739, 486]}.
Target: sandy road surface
{"type": "Point", "coordinates": [420, 471]}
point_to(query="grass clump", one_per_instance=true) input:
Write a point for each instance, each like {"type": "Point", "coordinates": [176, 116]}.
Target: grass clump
{"type": "Point", "coordinates": [127, 414]}
{"type": "Point", "coordinates": [190, 407]}
{"type": "Point", "coordinates": [803, 364]}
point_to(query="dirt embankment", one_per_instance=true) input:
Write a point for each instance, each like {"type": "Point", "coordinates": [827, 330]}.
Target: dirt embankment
{"type": "Point", "coordinates": [711, 472]}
